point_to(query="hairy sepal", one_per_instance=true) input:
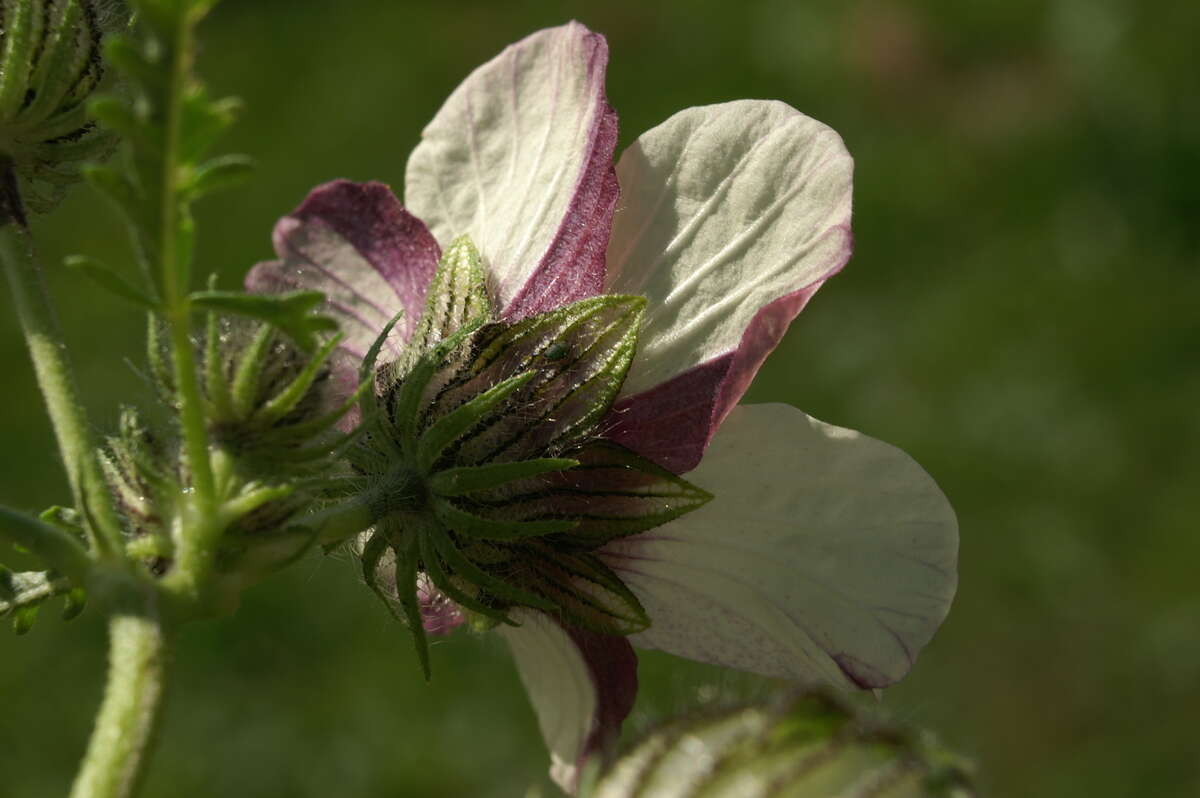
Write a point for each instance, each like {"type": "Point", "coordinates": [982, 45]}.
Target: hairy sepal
{"type": "Point", "coordinates": [579, 353]}
{"type": "Point", "coordinates": [611, 493]}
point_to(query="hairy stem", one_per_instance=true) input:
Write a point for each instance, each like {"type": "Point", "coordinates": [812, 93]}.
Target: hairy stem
{"type": "Point", "coordinates": [341, 521]}
{"type": "Point", "coordinates": [191, 411]}
{"type": "Point", "coordinates": [128, 718]}
{"type": "Point", "coordinates": [54, 377]}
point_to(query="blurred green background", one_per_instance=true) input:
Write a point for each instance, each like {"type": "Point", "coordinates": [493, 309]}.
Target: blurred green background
{"type": "Point", "coordinates": [1020, 315]}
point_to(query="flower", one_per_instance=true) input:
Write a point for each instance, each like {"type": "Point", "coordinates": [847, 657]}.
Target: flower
{"type": "Point", "coordinates": [822, 556]}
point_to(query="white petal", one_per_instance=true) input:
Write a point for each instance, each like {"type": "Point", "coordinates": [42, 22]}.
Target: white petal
{"type": "Point", "coordinates": [582, 685]}
{"type": "Point", "coordinates": [825, 555]}
{"type": "Point", "coordinates": [517, 158]}
{"type": "Point", "coordinates": [558, 682]}
{"type": "Point", "coordinates": [724, 209]}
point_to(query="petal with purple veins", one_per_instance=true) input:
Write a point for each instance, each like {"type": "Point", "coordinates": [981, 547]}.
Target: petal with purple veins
{"type": "Point", "coordinates": [358, 246]}
{"type": "Point", "coordinates": [824, 556]}
{"type": "Point", "coordinates": [520, 158]}
{"type": "Point", "coordinates": [732, 217]}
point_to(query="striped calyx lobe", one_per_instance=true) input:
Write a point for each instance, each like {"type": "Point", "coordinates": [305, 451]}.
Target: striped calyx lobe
{"type": "Point", "coordinates": [50, 63]}
{"type": "Point", "coordinates": [485, 466]}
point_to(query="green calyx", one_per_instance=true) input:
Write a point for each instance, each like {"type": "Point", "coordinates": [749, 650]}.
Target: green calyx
{"type": "Point", "coordinates": [50, 63]}
{"type": "Point", "coordinates": [482, 465]}
{"type": "Point", "coordinates": [267, 399]}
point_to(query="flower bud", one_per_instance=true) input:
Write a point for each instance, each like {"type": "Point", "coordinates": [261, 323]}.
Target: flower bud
{"type": "Point", "coordinates": [269, 402]}
{"type": "Point", "coordinates": [50, 63]}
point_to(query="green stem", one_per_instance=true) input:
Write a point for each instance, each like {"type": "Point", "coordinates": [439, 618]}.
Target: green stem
{"type": "Point", "coordinates": [179, 318]}
{"type": "Point", "coordinates": [54, 546]}
{"type": "Point", "coordinates": [128, 718]}
{"type": "Point", "coordinates": [335, 524]}
{"type": "Point", "coordinates": [49, 355]}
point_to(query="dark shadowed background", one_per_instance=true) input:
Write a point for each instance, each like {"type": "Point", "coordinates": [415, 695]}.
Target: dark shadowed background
{"type": "Point", "coordinates": [1020, 315]}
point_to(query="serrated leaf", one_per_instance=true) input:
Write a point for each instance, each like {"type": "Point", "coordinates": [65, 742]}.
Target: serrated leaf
{"type": "Point", "coordinates": [808, 747]}
{"type": "Point", "coordinates": [290, 312]}
{"type": "Point", "coordinates": [109, 280]}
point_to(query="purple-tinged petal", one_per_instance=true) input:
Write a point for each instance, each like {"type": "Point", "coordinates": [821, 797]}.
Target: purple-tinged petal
{"type": "Point", "coordinates": [520, 159]}
{"type": "Point", "coordinates": [673, 422]}
{"type": "Point", "coordinates": [732, 217]}
{"type": "Point", "coordinates": [357, 245]}
{"type": "Point", "coordinates": [824, 556]}
{"type": "Point", "coordinates": [439, 615]}
{"type": "Point", "coordinates": [582, 686]}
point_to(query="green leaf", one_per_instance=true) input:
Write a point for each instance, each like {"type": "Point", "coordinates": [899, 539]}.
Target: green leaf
{"type": "Point", "coordinates": [809, 746]}
{"type": "Point", "coordinates": [290, 312]}
{"type": "Point", "coordinates": [74, 603]}
{"type": "Point", "coordinates": [30, 588]}
{"type": "Point", "coordinates": [110, 281]}
{"type": "Point", "coordinates": [117, 188]}
{"type": "Point", "coordinates": [117, 115]}
{"type": "Point", "coordinates": [217, 174]}
{"type": "Point", "coordinates": [135, 64]}
{"type": "Point", "coordinates": [24, 618]}
{"type": "Point", "coordinates": [203, 122]}
{"type": "Point", "coordinates": [469, 479]}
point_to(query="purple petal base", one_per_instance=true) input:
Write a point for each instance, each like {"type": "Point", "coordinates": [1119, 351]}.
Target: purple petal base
{"type": "Point", "coordinates": [612, 664]}
{"type": "Point", "coordinates": [573, 266]}
{"type": "Point", "coordinates": [673, 422]}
